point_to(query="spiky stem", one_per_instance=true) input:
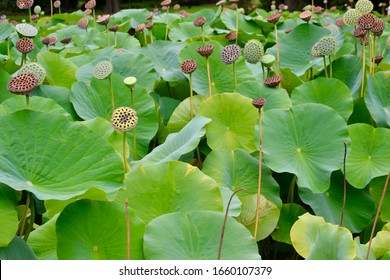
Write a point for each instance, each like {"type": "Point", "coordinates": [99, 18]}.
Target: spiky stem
{"type": "Point", "coordinates": [225, 220]}
{"type": "Point", "coordinates": [345, 187]}
{"type": "Point", "coordinates": [363, 68]}
{"type": "Point", "coordinates": [167, 23]}
{"type": "Point", "coordinates": [377, 215]}
{"type": "Point", "coordinates": [209, 76]}
{"type": "Point", "coordinates": [128, 229]}
{"type": "Point", "coordinates": [259, 177]}
{"type": "Point", "coordinates": [234, 74]}
{"type": "Point", "coordinates": [191, 99]}
{"type": "Point", "coordinates": [125, 162]}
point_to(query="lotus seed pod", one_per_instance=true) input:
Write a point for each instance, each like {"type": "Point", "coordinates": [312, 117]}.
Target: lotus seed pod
{"type": "Point", "coordinates": [230, 54]}
{"type": "Point", "coordinates": [388, 42]}
{"type": "Point", "coordinates": [315, 52]}
{"type": "Point", "coordinates": [66, 40]}
{"type": "Point", "coordinates": [333, 28]}
{"type": "Point", "coordinates": [184, 13]}
{"type": "Point", "coordinates": [188, 66]}
{"type": "Point", "coordinates": [274, 18]}
{"type": "Point", "coordinates": [36, 69]}
{"type": "Point", "coordinates": [140, 27]}
{"type": "Point", "coordinates": [268, 60]}
{"type": "Point", "coordinates": [272, 81]}
{"type": "Point", "coordinates": [114, 28]}
{"type": "Point", "coordinates": [273, 7]}
{"type": "Point", "coordinates": [23, 84]}
{"type": "Point", "coordinates": [340, 22]}
{"type": "Point", "coordinates": [259, 103]}
{"type": "Point", "coordinates": [91, 4]}
{"type": "Point", "coordinates": [221, 3]}
{"type": "Point", "coordinates": [231, 36]}
{"type": "Point", "coordinates": [364, 6]}
{"type": "Point", "coordinates": [87, 12]}
{"type": "Point", "coordinates": [149, 16]}
{"type": "Point", "coordinates": [358, 33]}
{"type": "Point", "coordinates": [379, 27]}
{"type": "Point", "coordinates": [52, 40]}
{"type": "Point", "coordinates": [83, 23]}
{"type": "Point", "coordinates": [327, 45]}
{"type": "Point", "coordinates": [103, 20]}
{"type": "Point", "coordinates": [164, 8]}
{"type": "Point", "coordinates": [200, 21]}
{"type": "Point", "coordinates": [166, 3]}
{"type": "Point", "coordinates": [317, 10]}
{"type": "Point", "coordinates": [57, 4]}
{"type": "Point", "coordinates": [305, 16]}
{"type": "Point", "coordinates": [378, 59]}
{"type": "Point", "coordinates": [102, 70]}
{"type": "Point", "coordinates": [24, 4]}
{"type": "Point", "coordinates": [149, 25]}
{"type": "Point", "coordinates": [26, 30]}
{"type": "Point", "coordinates": [176, 7]}
{"type": "Point", "coordinates": [46, 41]}
{"type": "Point", "coordinates": [364, 40]}
{"type": "Point", "coordinates": [351, 17]}
{"type": "Point", "coordinates": [206, 50]}
{"type": "Point", "coordinates": [253, 51]}
{"type": "Point", "coordinates": [123, 119]}
{"type": "Point", "coordinates": [367, 21]}
{"type": "Point", "coordinates": [25, 45]}
{"type": "Point", "coordinates": [37, 10]}
{"type": "Point", "coordinates": [130, 81]}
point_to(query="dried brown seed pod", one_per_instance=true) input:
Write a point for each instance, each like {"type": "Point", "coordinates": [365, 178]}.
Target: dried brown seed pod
{"type": "Point", "coordinates": [184, 13]}
{"type": "Point", "coordinates": [379, 27]}
{"type": "Point", "coordinates": [188, 66]}
{"type": "Point", "coordinates": [83, 23]}
{"type": "Point", "coordinates": [176, 7]}
{"type": "Point", "coordinates": [24, 4]}
{"type": "Point", "coordinates": [23, 84]}
{"type": "Point", "coordinates": [114, 28]}
{"type": "Point", "coordinates": [46, 41]}
{"type": "Point", "coordinates": [272, 81]}
{"type": "Point", "coordinates": [149, 25]}
{"type": "Point", "coordinates": [25, 45]}
{"type": "Point", "coordinates": [140, 27]}
{"type": "Point", "coordinates": [230, 53]}
{"type": "Point", "coordinates": [231, 36]}
{"type": "Point", "coordinates": [200, 21]}
{"type": "Point", "coordinates": [259, 103]}
{"type": "Point", "coordinates": [288, 30]}
{"type": "Point", "coordinates": [340, 22]}
{"type": "Point", "coordinates": [66, 40]}
{"type": "Point", "coordinates": [378, 59]}
{"type": "Point", "coordinates": [206, 50]}
{"type": "Point", "coordinates": [91, 4]}
{"type": "Point", "coordinates": [359, 33]}
{"type": "Point", "coordinates": [305, 16]}
{"type": "Point", "coordinates": [57, 4]}
{"type": "Point", "coordinates": [166, 3]}
{"type": "Point", "coordinates": [367, 21]}
{"type": "Point", "coordinates": [274, 18]}
{"type": "Point", "coordinates": [103, 20]}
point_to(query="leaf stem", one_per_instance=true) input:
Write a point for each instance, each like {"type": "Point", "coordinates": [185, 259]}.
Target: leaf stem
{"type": "Point", "coordinates": [209, 76]}
{"type": "Point", "coordinates": [28, 101]}
{"type": "Point", "coordinates": [25, 213]}
{"type": "Point", "coordinates": [377, 215]}
{"type": "Point", "coordinates": [135, 128]}
{"type": "Point", "coordinates": [203, 40]}
{"type": "Point", "coordinates": [125, 162]}
{"type": "Point", "coordinates": [167, 23]}
{"type": "Point", "coordinates": [330, 66]}
{"type": "Point", "coordinates": [191, 99]}
{"type": "Point", "coordinates": [259, 178]}
{"type": "Point", "coordinates": [291, 189]}
{"type": "Point", "coordinates": [326, 70]}
{"type": "Point", "coordinates": [32, 219]}
{"type": "Point", "coordinates": [363, 68]}
{"type": "Point", "coordinates": [345, 187]}
{"type": "Point", "coordinates": [237, 23]}
{"type": "Point", "coordinates": [234, 74]}
{"type": "Point", "coordinates": [8, 49]}
{"type": "Point", "coordinates": [225, 220]}
{"type": "Point", "coordinates": [277, 48]}
{"type": "Point", "coordinates": [108, 37]}
{"type": "Point", "coordinates": [128, 229]}
{"type": "Point", "coordinates": [111, 93]}
{"type": "Point", "coordinates": [51, 8]}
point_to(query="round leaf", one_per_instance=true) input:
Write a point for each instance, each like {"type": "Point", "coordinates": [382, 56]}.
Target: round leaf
{"type": "Point", "coordinates": [157, 189]}
{"type": "Point", "coordinates": [307, 141]}
{"type": "Point", "coordinates": [8, 220]}
{"type": "Point", "coordinates": [96, 230]}
{"type": "Point", "coordinates": [63, 160]}
{"type": "Point", "coordinates": [17, 250]}
{"type": "Point", "coordinates": [196, 236]}
{"type": "Point", "coordinates": [330, 92]}
{"type": "Point", "coordinates": [233, 120]}
{"type": "Point", "coordinates": [376, 189]}
{"type": "Point", "coordinates": [369, 156]}
{"type": "Point", "coordinates": [378, 99]}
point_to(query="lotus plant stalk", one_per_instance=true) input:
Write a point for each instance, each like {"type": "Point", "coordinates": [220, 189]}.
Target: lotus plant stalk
{"type": "Point", "coordinates": [236, 23]}
{"type": "Point", "coordinates": [23, 84]}
{"type": "Point", "coordinates": [24, 217]}
{"type": "Point", "coordinates": [229, 55]}
{"type": "Point", "coordinates": [225, 220]}
{"type": "Point", "coordinates": [330, 66]}
{"type": "Point", "coordinates": [188, 67]}
{"type": "Point", "coordinates": [128, 229]}
{"type": "Point", "coordinates": [8, 48]}
{"type": "Point", "coordinates": [111, 93]}
{"type": "Point", "coordinates": [130, 83]}
{"type": "Point", "coordinates": [363, 68]}
{"type": "Point", "coordinates": [291, 189]}
{"type": "Point", "coordinates": [123, 119]}
{"type": "Point", "coordinates": [259, 103]}
{"type": "Point", "coordinates": [29, 15]}
{"type": "Point", "coordinates": [199, 22]}
{"type": "Point", "coordinates": [103, 70]}
{"type": "Point", "coordinates": [345, 187]}
{"type": "Point", "coordinates": [206, 51]}
{"type": "Point", "coordinates": [377, 215]}
{"type": "Point", "coordinates": [51, 8]}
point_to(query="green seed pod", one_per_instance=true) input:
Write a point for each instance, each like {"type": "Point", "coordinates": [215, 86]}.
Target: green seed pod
{"type": "Point", "coordinates": [351, 17]}
{"type": "Point", "coordinates": [327, 45]}
{"type": "Point", "coordinates": [364, 6]}
{"type": "Point", "coordinates": [36, 69]}
{"type": "Point", "coordinates": [253, 51]}
{"type": "Point", "coordinates": [102, 70]}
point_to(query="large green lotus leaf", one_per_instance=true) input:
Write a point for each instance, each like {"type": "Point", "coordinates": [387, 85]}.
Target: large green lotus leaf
{"type": "Point", "coordinates": [369, 156]}
{"type": "Point", "coordinates": [289, 80]}
{"type": "Point", "coordinates": [43, 240]}
{"type": "Point", "coordinates": [228, 17]}
{"type": "Point", "coordinates": [177, 144]}
{"type": "Point", "coordinates": [41, 104]}
{"type": "Point", "coordinates": [91, 101]}
{"type": "Point", "coordinates": [359, 208]}
{"type": "Point", "coordinates": [237, 169]}
{"type": "Point", "coordinates": [6, 30]}
{"type": "Point", "coordinates": [377, 98]}
{"type": "Point", "coordinates": [348, 69]}
{"type": "Point", "coordinates": [195, 236]}
{"type": "Point", "coordinates": [187, 32]}
{"type": "Point", "coordinates": [289, 214]}
{"type": "Point", "coordinates": [17, 250]}
{"type": "Point", "coordinates": [164, 55]}
{"type": "Point", "coordinates": [361, 250]}
{"type": "Point", "coordinates": [381, 243]}
{"type": "Point", "coordinates": [314, 239]}
{"type": "Point", "coordinates": [8, 220]}
{"type": "Point", "coordinates": [233, 120]}
{"type": "Point", "coordinates": [60, 95]}
{"type": "Point", "coordinates": [4, 79]}
{"type": "Point", "coordinates": [308, 141]}
{"type": "Point", "coordinates": [235, 203]}
{"type": "Point", "coordinates": [96, 230]}
{"type": "Point", "coordinates": [295, 47]}
{"type": "Point", "coordinates": [221, 74]}
{"type": "Point", "coordinates": [126, 14]}
{"type": "Point", "coordinates": [63, 160]}
{"type": "Point", "coordinates": [157, 189]}
{"type": "Point", "coordinates": [277, 98]}
{"type": "Point", "coordinates": [59, 71]}
{"type": "Point", "coordinates": [268, 215]}
{"type": "Point", "coordinates": [138, 66]}
{"type": "Point", "coordinates": [181, 115]}
{"type": "Point", "coordinates": [330, 92]}
{"type": "Point", "coordinates": [376, 187]}
{"type": "Point", "coordinates": [85, 71]}
{"type": "Point", "coordinates": [88, 57]}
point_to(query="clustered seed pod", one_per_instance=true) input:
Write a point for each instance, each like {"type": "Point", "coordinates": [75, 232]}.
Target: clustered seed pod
{"type": "Point", "coordinates": [87, 12]}
{"type": "Point", "coordinates": [305, 16]}
{"type": "Point", "coordinates": [253, 51]}
{"type": "Point", "coordinates": [378, 59]}
{"type": "Point", "coordinates": [103, 20]}
{"type": "Point", "coordinates": [149, 16]}
{"type": "Point", "coordinates": [91, 4]}
{"type": "Point", "coordinates": [200, 21]}
{"type": "Point", "coordinates": [206, 50]}
{"type": "Point", "coordinates": [351, 17]}
{"type": "Point", "coordinates": [272, 81]}
{"type": "Point", "coordinates": [123, 119]}
{"type": "Point", "coordinates": [140, 27]}
{"type": "Point", "coordinates": [149, 25]}
{"type": "Point", "coordinates": [23, 84]}
{"type": "Point", "coordinates": [66, 40]}
{"type": "Point", "coordinates": [221, 3]}
{"type": "Point", "coordinates": [231, 36]}
{"type": "Point", "coordinates": [258, 103]}
{"type": "Point", "coordinates": [188, 66]}
{"type": "Point", "coordinates": [37, 10]}
{"type": "Point", "coordinates": [274, 18]}
{"type": "Point", "coordinates": [327, 45]}
{"type": "Point", "coordinates": [230, 54]}
{"type": "Point", "coordinates": [114, 28]}
{"type": "Point", "coordinates": [176, 7]}
{"type": "Point", "coordinates": [366, 21]}
{"type": "Point", "coordinates": [36, 69]}
{"type": "Point", "coordinates": [332, 28]}
{"type": "Point", "coordinates": [51, 40]}
{"type": "Point", "coordinates": [83, 23]}
{"type": "Point", "coordinates": [364, 6]}
{"type": "Point", "coordinates": [315, 52]}
{"type": "Point", "coordinates": [364, 41]}
{"type": "Point", "coordinates": [317, 9]}
{"type": "Point", "coordinates": [358, 33]}
{"type": "Point", "coordinates": [379, 27]}
{"type": "Point", "coordinates": [102, 70]}
{"type": "Point", "coordinates": [24, 4]}
{"type": "Point", "coordinates": [184, 13]}
{"type": "Point", "coordinates": [25, 45]}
